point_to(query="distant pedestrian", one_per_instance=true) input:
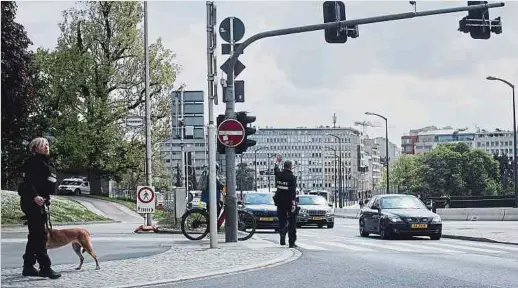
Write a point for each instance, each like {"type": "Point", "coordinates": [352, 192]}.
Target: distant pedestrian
{"type": "Point", "coordinates": [286, 184]}
{"type": "Point", "coordinates": [38, 183]}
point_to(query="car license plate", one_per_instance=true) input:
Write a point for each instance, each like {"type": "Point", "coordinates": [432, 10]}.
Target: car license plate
{"type": "Point", "coordinates": [269, 219]}
{"type": "Point", "coordinates": [318, 218]}
{"type": "Point", "coordinates": [419, 226]}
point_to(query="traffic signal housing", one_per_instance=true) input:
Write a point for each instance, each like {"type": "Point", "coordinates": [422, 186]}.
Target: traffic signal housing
{"type": "Point", "coordinates": [334, 11]}
{"type": "Point", "coordinates": [245, 120]}
{"type": "Point", "coordinates": [478, 24]}
{"type": "Point", "coordinates": [221, 147]}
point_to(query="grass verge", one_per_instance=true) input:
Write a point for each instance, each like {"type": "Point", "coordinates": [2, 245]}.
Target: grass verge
{"type": "Point", "coordinates": [132, 205]}
{"type": "Point", "coordinates": [62, 210]}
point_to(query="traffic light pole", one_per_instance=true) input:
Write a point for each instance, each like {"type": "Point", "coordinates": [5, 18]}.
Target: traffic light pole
{"type": "Point", "coordinates": [231, 199]}
{"type": "Point", "coordinates": [211, 75]}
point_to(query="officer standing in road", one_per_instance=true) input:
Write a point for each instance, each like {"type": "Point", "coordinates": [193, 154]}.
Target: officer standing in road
{"type": "Point", "coordinates": [286, 184]}
{"type": "Point", "coordinates": [39, 181]}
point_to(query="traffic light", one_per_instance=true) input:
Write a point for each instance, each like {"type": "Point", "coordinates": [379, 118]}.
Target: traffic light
{"type": "Point", "coordinates": [478, 24]}
{"type": "Point", "coordinates": [334, 11]}
{"type": "Point", "coordinates": [221, 147]}
{"type": "Point", "coordinates": [244, 119]}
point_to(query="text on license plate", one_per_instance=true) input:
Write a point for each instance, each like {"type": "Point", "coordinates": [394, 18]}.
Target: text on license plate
{"type": "Point", "coordinates": [318, 218]}
{"type": "Point", "coordinates": [266, 219]}
{"type": "Point", "coordinates": [419, 226]}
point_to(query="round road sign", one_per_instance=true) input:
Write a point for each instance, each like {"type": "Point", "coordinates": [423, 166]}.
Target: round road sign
{"type": "Point", "coordinates": [145, 195]}
{"type": "Point", "coordinates": [238, 29]}
{"type": "Point", "coordinates": [231, 133]}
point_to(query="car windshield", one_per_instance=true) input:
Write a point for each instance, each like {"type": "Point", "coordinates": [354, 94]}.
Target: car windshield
{"type": "Point", "coordinates": [312, 200]}
{"type": "Point", "coordinates": [401, 202]}
{"type": "Point", "coordinates": [70, 183]}
{"type": "Point", "coordinates": [257, 199]}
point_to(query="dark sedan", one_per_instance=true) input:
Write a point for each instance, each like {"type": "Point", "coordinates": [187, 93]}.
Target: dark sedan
{"type": "Point", "coordinates": [263, 208]}
{"type": "Point", "coordinates": [394, 215]}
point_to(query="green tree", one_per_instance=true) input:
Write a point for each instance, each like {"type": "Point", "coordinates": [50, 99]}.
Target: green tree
{"type": "Point", "coordinates": [506, 175]}
{"type": "Point", "coordinates": [18, 95]}
{"type": "Point", "coordinates": [95, 78]}
{"type": "Point", "coordinates": [405, 172]}
{"type": "Point", "coordinates": [245, 177]}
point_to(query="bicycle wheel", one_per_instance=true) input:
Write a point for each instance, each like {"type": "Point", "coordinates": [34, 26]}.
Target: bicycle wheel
{"type": "Point", "coordinates": [195, 224]}
{"type": "Point", "coordinates": [245, 225]}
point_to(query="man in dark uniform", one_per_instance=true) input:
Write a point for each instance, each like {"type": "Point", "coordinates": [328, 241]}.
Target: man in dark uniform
{"type": "Point", "coordinates": [286, 184]}
{"type": "Point", "coordinates": [39, 181]}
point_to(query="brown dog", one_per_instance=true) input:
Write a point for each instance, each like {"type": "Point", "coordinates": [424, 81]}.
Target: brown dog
{"type": "Point", "coordinates": [79, 237]}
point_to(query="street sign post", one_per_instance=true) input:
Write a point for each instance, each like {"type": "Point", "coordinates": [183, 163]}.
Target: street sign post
{"type": "Point", "coordinates": [145, 199]}
{"type": "Point", "coordinates": [231, 133]}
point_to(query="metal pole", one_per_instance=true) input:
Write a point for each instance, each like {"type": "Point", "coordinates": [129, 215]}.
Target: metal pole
{"type": "Point", "coordinates": [387, 159]}
{"type": "Point", "coordinates": [149, 181]}
{"type": "Point", "coordinates": [515, 153]}
{"type": "Point", "coordinates": [182, 144]}
{"type": "Point", "coordinates": [230, 154]}
{"type": "Point", "coordinates": [340, 196]}
{"type": "Point", "coordinates": [241, 177]}
{"type": "Point", "coordinates": [211, 75]}
{"type": "Point", "coordinates": [336, 178]}
{"type": "Point", "coordinates": [255, 168]}
{"type": "Point", "coordinates": [269, 184]}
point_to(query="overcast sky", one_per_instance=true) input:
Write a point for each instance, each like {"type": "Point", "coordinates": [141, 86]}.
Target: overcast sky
{"type": "Point", "coordinates": [416, 72]}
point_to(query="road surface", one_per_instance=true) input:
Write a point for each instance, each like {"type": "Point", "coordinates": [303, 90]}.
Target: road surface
{"type": "Point", "coordinates": [340, 258]}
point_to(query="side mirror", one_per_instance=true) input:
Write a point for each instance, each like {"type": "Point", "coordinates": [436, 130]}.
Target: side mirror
{"type": "Point", "coordinates": [239, 202]}
{"type": "Point", "coordinates": [330, 205]}
{"type": "Point", "coordinates": [429, 207]}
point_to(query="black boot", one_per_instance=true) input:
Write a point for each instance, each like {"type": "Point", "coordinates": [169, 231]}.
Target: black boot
{"type": "Point", "coordinates": [49, 273]}
{"type": "Point", "coordinates": [293, 245]}
{"type": "Point", "coordinates": [30, 271]}
{"type": "Point", "coordinates": [283, 240]}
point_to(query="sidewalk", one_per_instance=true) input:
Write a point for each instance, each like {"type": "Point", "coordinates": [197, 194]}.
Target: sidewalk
{"type": "Point", "coordinates": [486, 231]}
{"type": "Point", "coordinates": [185, 260]}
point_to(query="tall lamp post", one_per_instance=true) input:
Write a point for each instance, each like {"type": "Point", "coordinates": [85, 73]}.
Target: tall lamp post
{"type": "Point", "coordinates": [336, 192]}
{"type": "Point", "coordinates": [515, 153]}
{"type": "Point", "coordinates": [386, 146]}
{"type": "Point", "coordinates": [340, 196]}
{"type": "Point", "coordinates": [255, 164]}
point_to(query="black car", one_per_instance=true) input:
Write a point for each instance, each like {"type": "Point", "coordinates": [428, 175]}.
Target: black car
{"type": "Point", "coordinates": [263, 208]}
{"type": "Point", "coordinates": [395, 214]}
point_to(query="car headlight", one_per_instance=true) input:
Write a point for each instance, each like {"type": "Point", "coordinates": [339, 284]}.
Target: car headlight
{"type": "Point", "coordinates": [394, 219]}
{"type": "Point", "coordinates": [303, 211]}
{"type": "Point", "coordinates": [436, 219]}
{"type": "Point", "coordinates": [330, 212]}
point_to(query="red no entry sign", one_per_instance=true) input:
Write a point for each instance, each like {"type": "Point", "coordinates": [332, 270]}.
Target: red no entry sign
{"type": "Point", "coordinates": [145, 195]}
{"type": "Point", "coordinates": [231, 133]}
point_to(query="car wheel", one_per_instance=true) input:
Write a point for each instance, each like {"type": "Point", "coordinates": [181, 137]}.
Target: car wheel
{"type": "Point", "coordinates": [436, 237]}
{"type": "Point", "coordinates": [77, 192]}
{"type": "Point", "coordinates": [330, 225]}
{"type": "Point", "coordinates": [385, 234]}
{"type": "Point", "coordinates": [362, 229]}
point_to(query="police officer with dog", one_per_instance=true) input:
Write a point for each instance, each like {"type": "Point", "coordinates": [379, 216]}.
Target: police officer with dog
{"type": "Point", "coordinates": [285, 196]}
{"type": "Point", "coordinates": [39, 181]}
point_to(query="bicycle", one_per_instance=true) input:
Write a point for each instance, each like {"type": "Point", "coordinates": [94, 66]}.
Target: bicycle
{"type": "Point", "coordinates": [200, 223]}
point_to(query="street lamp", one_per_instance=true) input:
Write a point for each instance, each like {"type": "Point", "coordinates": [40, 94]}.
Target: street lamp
{"type": "Point", "coordinates": [340, 197]}
{"type": "Point", "coordinates": [386, 146]}
{"type": "Point", "coordinates": [515, 153]}
{"type": "Point", "coordinates": [255, 164]}
{"type": "Point", "coordinates": [333, 149]}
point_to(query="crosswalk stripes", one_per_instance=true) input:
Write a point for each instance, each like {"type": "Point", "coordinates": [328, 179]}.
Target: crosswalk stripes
{"type": "Point", "coordinates": [317, 242]}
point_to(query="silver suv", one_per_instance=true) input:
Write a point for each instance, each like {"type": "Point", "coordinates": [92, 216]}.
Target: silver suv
{"type": "Point", "coordinates": [315, 210]}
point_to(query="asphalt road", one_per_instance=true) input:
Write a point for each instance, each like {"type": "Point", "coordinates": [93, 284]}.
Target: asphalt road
{"type": "Point", "coordinates": [340, 258]}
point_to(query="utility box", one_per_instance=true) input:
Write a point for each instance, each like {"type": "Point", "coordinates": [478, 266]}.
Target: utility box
{"type": "Point", "coordinates": [180, 201]}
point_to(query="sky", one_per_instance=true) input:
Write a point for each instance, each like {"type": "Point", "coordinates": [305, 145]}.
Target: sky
{"type": "Point", "coordinates": [416, 72]}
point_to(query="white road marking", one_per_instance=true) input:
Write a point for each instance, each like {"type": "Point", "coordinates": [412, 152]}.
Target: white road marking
{"type": "Point", "coordinates": [310, 247]}
{"type": "Point", "coordinates": [347, 247]}
{"type": "Point", "coordinates": [386, 245]}
{"type": "Point", "coordinates": [465, 247]}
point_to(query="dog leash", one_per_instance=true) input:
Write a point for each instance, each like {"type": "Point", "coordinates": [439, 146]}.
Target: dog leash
{"type": "Point", "coordinates": [48, 223]}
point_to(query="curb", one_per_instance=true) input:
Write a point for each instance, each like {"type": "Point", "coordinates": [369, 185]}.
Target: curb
{"type": "Point", "coordinates": [346, 216]}
{"type": "Point", "coordinates": [477, 239]}
{"type": "Point", "coordinates": [288, 256]}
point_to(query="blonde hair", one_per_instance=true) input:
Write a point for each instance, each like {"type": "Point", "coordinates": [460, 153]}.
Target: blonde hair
{"type": "Point", "coordinates": [37, 143]}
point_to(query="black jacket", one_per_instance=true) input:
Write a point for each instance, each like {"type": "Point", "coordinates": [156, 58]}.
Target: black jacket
{"type": "Point", "coordinates": [286, 184]}
{"type": "Point", "coordinates": [39, 178]}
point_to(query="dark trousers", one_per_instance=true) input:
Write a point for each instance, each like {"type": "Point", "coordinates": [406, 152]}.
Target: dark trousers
{"type": "Point", "coordinates": [287, 223]}
{"type": "Point", "coordinates": [36, 249]}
